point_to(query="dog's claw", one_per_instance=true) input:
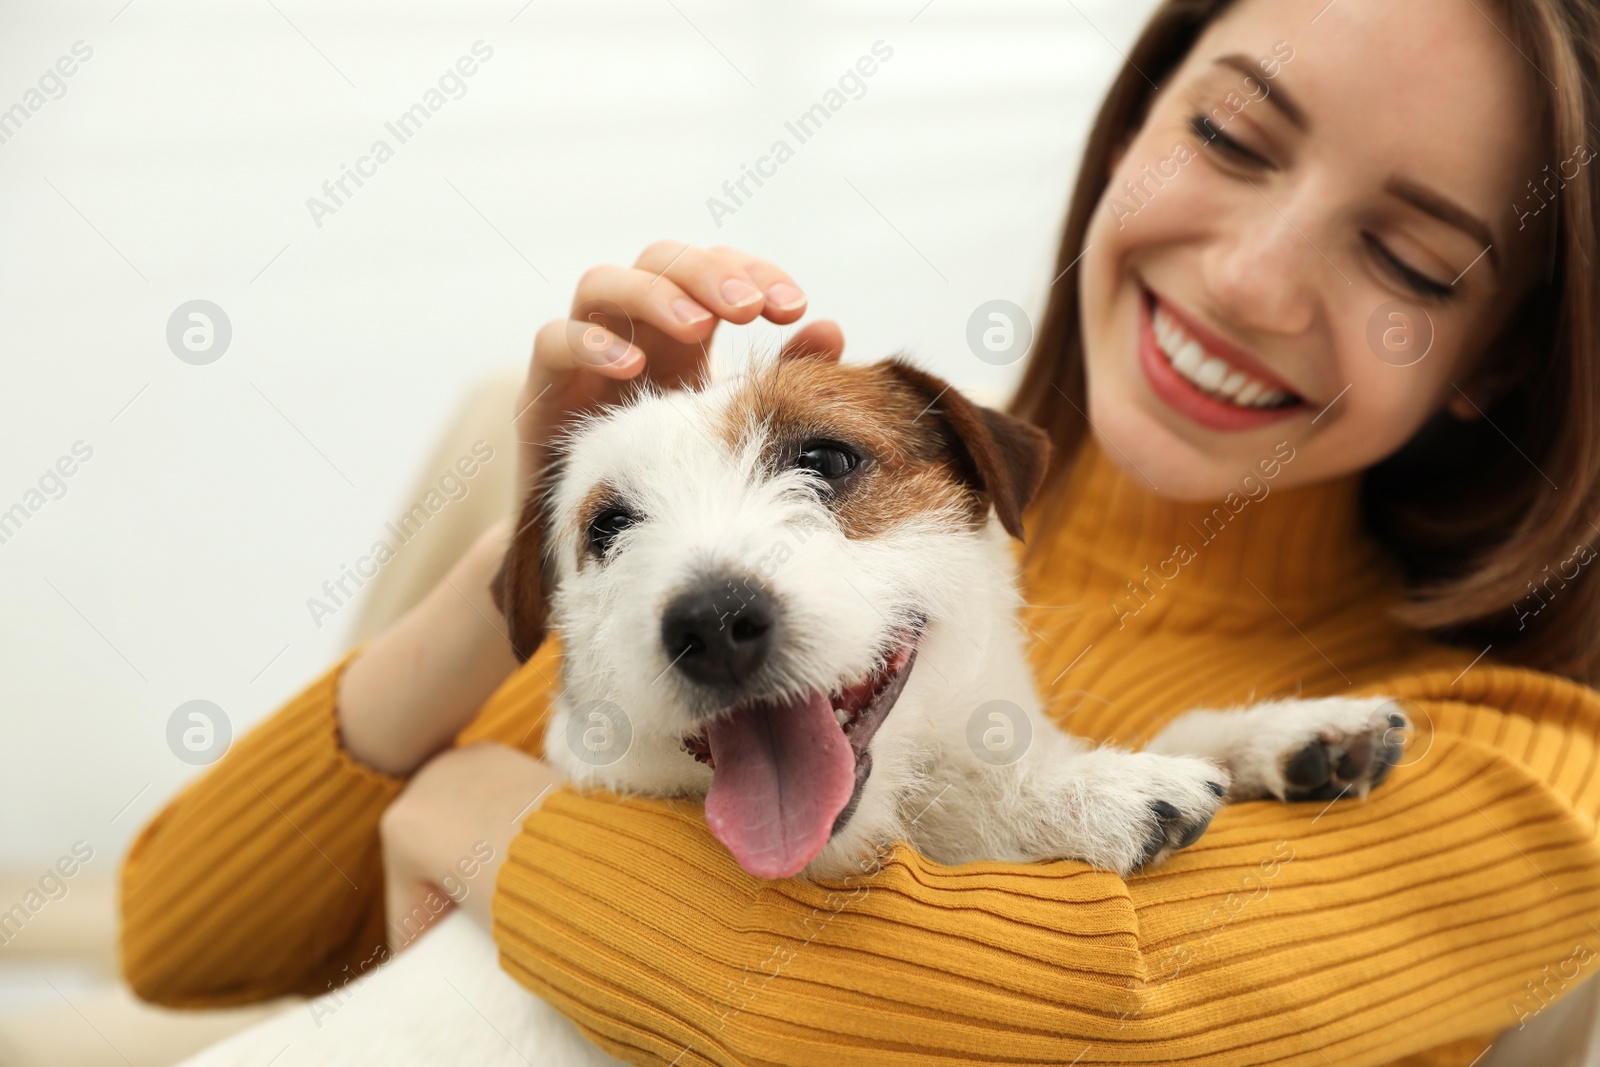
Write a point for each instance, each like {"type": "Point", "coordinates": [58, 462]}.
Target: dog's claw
{"type": "Point", "coordinates": [1173, 831]}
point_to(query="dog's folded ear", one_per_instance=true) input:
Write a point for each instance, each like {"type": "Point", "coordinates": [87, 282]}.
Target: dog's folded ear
{"type": "Point", "coordinates": [1002, 457]}
{"type": "Point", "coordinates": [521, 588]}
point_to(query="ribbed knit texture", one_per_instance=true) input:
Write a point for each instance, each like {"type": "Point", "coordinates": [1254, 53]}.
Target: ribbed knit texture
{"type": "Point", "coordinates": [1400, 929]}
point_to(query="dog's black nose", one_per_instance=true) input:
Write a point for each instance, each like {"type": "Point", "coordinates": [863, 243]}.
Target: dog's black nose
{"type": "Point", "coordinates": [718, 631]}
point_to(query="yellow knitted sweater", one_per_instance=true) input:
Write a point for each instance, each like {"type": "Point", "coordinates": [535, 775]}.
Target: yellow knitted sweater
{"type": "Point", "coordinates": [1409, 927]}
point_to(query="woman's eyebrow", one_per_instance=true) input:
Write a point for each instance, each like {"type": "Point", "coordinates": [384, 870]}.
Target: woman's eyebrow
{"type": "Point", "coordinates": [1445, 210]}
{"type": "Point", "coordinates": [1275, 94]}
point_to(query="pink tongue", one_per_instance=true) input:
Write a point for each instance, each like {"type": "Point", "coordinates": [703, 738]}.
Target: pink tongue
{"type": "Point", "coordinates": [782, 775]}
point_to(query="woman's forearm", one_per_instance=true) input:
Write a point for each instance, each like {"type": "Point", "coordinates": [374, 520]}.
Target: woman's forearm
{"type": "Point", "coordinates": [409, 692]}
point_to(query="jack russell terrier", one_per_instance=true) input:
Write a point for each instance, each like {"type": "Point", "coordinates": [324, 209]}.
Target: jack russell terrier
{"type": "Point", "coordinates": [792, 594]}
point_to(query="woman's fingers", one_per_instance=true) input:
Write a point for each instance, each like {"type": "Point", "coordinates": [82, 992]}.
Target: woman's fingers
{"type": "Point", "coordinates": [564, 345]}
{"type": "Point", "coordinates": [717, 280]}
{"type": "Point", "coordinates": [785, 301]}
{"type": "Point", "coordinates": [682, 291]}
{"type": "Point", "coordinates": [657, 317]}
{"type": "Point", "coordinates": [604, 293]}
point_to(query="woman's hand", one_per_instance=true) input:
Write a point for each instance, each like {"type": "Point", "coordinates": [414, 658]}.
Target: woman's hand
{"type": "Point", "coordinates": [655, 318]}
{"type": "Point", "coordinates": [445, 837]}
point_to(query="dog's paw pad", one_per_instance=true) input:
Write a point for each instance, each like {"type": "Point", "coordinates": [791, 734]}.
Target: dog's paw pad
{"type": "Point", "coordinates": [1344, 760]}
{"type": "Point", "coordinates": [1173, 828]}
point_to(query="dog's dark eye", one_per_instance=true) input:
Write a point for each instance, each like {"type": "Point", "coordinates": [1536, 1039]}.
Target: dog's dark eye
{"type": "Point", "coordinates": [827, 459]}
{"type": "Point", "coordinates": [604, 528]}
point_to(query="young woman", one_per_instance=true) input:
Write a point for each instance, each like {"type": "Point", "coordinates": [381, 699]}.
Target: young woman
{"type": "Point", "coordinates": [1320, 371]}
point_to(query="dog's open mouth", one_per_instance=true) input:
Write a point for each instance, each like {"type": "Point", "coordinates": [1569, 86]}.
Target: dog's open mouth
{"type": "Point", "coordinates": [786, 774]}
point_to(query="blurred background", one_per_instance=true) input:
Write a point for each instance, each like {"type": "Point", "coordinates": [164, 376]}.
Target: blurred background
{"type": "Point", "coordinates": [224, 374]}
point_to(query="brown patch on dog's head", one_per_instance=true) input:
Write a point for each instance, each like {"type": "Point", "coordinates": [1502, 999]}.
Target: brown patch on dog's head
{"type": "Point", "coordinates": [1005, 458]}
{"type": "Point", "coordinates": [602, 496]}
{"type": "Point", "coordinates": [924, 446]}
{"type": "Point", "coordinates": [523, 585]}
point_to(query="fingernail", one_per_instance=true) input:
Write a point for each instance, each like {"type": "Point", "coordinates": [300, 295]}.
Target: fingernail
{"type": "Point", "coordinates": [740, 293]}
{"type": "Point", "coordinates": [785, 297]}
{"type": "Point", "coordinates": [620, 353]}
{"type": "Point", "coordinates": [688, 311]}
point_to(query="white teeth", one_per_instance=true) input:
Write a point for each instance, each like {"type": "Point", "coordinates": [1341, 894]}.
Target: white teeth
{"type": "Point", "coordinates": [1164, 330]}
{"type": "Point", "coordinates": [841, 715]}
{"type": "Point", "coordinates": [1189, 358]}
{"type": "Point", "coordinates": [1211, 373]}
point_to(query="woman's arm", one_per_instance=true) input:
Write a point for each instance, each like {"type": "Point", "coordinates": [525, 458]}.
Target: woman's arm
{"type": "Point", "coordinates": [1288, 934]}
{"type": "Point", "coordinates": [264, 876]}
{"type": "Point", "coordinates": [411, 691]}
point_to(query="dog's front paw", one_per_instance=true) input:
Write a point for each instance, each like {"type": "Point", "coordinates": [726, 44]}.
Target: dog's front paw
{"type": "Point", "coordinates": [1126, 810]}
{"type": "Point", "coordinates": [1319, 749]}
{"type": "Point", "coordinates": [1177, 825]}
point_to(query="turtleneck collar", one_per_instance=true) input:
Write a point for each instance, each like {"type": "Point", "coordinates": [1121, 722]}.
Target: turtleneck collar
{"type": "Point", "coordinates": [1293, 545]}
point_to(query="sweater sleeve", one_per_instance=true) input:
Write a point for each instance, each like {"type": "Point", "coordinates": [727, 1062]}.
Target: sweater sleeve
{"type": "Point", "coordinates": [264, 876]}
{"type": "Point", "coordinates": [1452, 903]}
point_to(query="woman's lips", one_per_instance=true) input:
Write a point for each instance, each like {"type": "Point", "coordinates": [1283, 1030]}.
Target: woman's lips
{"type": "Point", "coordinates": [1188, 399]}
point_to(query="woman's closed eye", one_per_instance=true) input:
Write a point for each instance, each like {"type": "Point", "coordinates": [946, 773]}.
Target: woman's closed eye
{"type": "Point", "coordinates": [1211, 135]}
{"type": "Point", "coordinates": [1424, 287]}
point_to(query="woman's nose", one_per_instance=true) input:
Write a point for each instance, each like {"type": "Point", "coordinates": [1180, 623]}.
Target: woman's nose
{"type": "Point", "coordinates": [1265, 271]}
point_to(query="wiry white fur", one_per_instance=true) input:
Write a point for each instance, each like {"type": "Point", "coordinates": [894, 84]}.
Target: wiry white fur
{"type": "Point", "coordinates": [844, 603]}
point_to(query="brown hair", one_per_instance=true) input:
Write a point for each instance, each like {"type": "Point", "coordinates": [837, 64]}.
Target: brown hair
{"type": "Point", "coordinates": [1490, 519]}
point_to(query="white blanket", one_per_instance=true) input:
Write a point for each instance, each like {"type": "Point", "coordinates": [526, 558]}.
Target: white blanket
{"type": "Point", "coordinates": [444, 1001]}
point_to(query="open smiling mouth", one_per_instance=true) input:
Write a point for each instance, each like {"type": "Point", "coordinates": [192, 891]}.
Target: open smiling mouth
{"type": "Point", "coordinates": [787, 773]}
{"type": "Point", "coordinates": [1195, 373]}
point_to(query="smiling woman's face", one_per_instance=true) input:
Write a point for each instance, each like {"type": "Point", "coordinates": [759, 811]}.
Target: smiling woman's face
{"type": "Point", "coordinates": [1293, 182]}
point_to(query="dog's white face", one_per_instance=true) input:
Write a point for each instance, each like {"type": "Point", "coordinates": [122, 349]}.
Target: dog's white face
{"type": "Point", "coordinates": [744, 578]}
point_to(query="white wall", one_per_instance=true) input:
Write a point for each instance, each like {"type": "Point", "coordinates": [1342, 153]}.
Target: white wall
{"type": "Point", "coordinates": [178, 165]}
